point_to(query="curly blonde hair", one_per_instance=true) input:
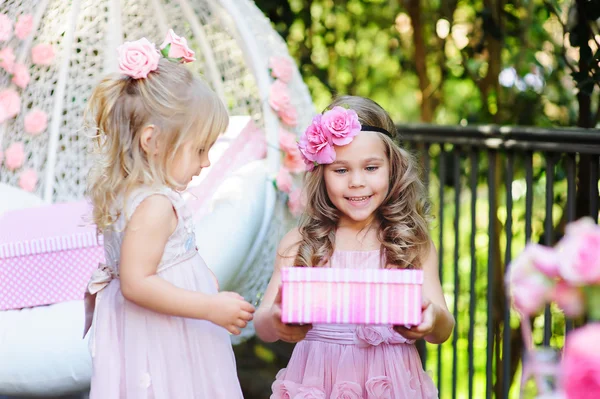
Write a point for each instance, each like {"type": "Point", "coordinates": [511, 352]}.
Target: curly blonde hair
{"type": "Point", "coordinates": [180, 107]}
{"type": "Point", "coordinates": [402, 217]}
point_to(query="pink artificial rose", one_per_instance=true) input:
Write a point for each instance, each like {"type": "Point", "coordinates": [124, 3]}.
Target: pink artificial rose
{"type": "Point", "coordinates": [282, 68]}
{"type": "Point", "coordinates": [346, 390]}
{"type": "Point", "coordinates": [579, 256]}
{"type": "Point", "coordinates": [570, 299]}
{"type": "Point", "coordinates": [10, 104]}
{"type": "Point", "coordinates": [7, 59]}
{"type": "Point", "coordinates": [283, 389]}
{"type": "Point", "coordinates": [305, 392]}
{"type": "Point", "coordinates": [296, 202]}
{"type": "Point", "coordinates": [284, 180]}
{"type": "Point", "coordinates": [287, 140]}
{"type": "Point", "coordinates": [42, 54]}
{"type": "Point", "coordinates": [581, 363]}
{"type": "Point", "coordinates": [6, 27]}
{"type": "Point", "coordinates": [137, 59]}
{"type": "Point", "coordinates": [36, 122]}
{"type": "Point", "coordinates": [14, 156]}
{"type": "Point", "coordinates": [529, 287]}
{"type": "Point", "coordinates": [369, 336]}
{"type": "Point", "coordinates": [28, 180]}
{"type": "Point", "coordinates": [279, 97]}
{"type": "Point", "coordinates": [176, 47]}
{"type": "Point", "coordinates": [23, 26]}
{"type": "Point", "coordinates": [315, 144]}
{"type": "Point", "coordinates": [21, 75]}
{"type": "Point", "coordinates": [341, 124]}
{"type": "Point", "coordinates": [288, 115]}
{"type": "Point", "coordinates": [379, 388]}
{"type": "Point", "coordinates": [293, 158]}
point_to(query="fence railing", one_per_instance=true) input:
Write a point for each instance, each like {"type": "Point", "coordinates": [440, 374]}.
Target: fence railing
{"type": "Point", "coordinates": [493, 189]}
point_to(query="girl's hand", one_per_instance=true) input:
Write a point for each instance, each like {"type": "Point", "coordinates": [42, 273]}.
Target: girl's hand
{"type": "Point", "coordinates": [287, 332]}
{"type": "Point", "coordinates": [427, 325]}
{"type": "Point", "coordinates": [230, 311]}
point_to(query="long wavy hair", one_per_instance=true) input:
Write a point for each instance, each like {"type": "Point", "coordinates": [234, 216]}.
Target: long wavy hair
{"type": "Point", "coordinates": [181, 108]}
{"type": "Point", "coordinates": [402, 218]}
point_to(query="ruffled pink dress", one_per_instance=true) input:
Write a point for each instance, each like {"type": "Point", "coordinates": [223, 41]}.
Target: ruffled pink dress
{"type": "Point", "coordinates": [338, 361]}
{"type": "Point", "coordinates": [141, 354]}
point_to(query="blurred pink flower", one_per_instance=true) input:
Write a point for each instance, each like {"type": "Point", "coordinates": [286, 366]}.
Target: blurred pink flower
{"type": "Point", "coordinates": [23, 26]}
{"type": "Point", "coordinates": [296, 202]}
{"type": "Point", "coordinates": [288, 115]}
{"type": "Point", "coordinates": [292, 157]}
{"type": "Point", "coordinates": [279, 96]}
{"type": "Point", "coordinates": [176, 47]}
{"type": "Point", "coordinates": [570, 299]}
{"type": "Point", "coordinates": [379, 388]}
{"type": "Point", "coordinates": [10, 104]}
{"type": "Point", "coordinates": [6, 27]}
{"type": "Point", "coordinates": [341, 124]}
{"type": "Point", "coordinates": [315, 144]}
{"type": "Point", "coordinates": [28, 180]}
{"type": "Point", "coordinates": [7, 59]}
{"type": "Point", "coordinates": [21, 75]}
{"type": "Point", "coordinates": [346, 390]}
{"type": "Point", "coordinates": [15, 155]}
{"type": "Point", "coordinates": [579, 254]}
{"type": "Point", "coordinates": [281, 68]}
{"type": "Point", "coordinates": [581, 363]}
{"type": "Point", "coordinates": [36, 122]}
{"type": "Point", "coordinates": [284, 180]}
{"type": "Point", "coordinates": [42, 54]}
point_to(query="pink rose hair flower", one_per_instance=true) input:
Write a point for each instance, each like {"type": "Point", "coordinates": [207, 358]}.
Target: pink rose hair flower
{"type": "Point", "coordinates": [42, 54]}
{"type": "Point", "coordinates": [315, 144]}
{"type": "Point", "coordinates": [176, 48]}
{"type": "Point", "coordinates": [137, 59]}
{"type": "Point", "coordinates": [342, 124]}
{"type": "Point", "coordinates": [24, 26]}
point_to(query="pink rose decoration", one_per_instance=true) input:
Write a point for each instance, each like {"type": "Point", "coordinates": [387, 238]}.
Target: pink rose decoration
{"type": "Point", "coordinates": [6, 27]}
{"type": "Point", "coordinates": [570, 299]}
{"type": "Point", "coordinates": [283, 389]}
{"type": "Point", "coordinates": [28, 180]}
{"type": "Point", "coordinates": [296, 202]}
{"type": "Point", "coordinates": [15, 155]}
{"type": "Point", "coordinates": [581, 363]}
{"type": "Point", "coordinates": [284, 180]}
{"type": "Point", "coordinates": [315, 144]}
{"type": "Point", "coordinates": [379, 388]}
{"type": "Point", "coordinates": [342, 124]}
{"type": "Point", "coordinates": [7, 59]}
{"type": "Point", "coordinates": [36, 122]}
{"type": "Point", "coordinates": [287, 140]}
{"type": "Point", "coordinates": [279, 97]}
{"type": "Point", "coordinates": [137, 59]}
{"type": "Point", "coordinates": [529, 287]}
{"type": "Point", "coordinates": [10, 104]}
{"type": "Point", "coordinates": [288, 115]}
{"type": "Point", "coordinates": [293, 158]}
{"type": "Point", "coordinates": [282, 68]}
{"type": "Point", "coordinates": [369, 335]}
{"type": "Point", "coordinates": [310, 393]}
{"type": "Point", "coordinates": [579, 255]}
{"type": "Point", "coordinates": [21, 75]}
{"type": "Point", "coordinates": [176, 47]}
{"type": "Point", "coordinates": [346, 390]}
{"type": "Point", "coordinates": [23, 26]}
{"type": "Point", "coordinates": [42, 54]}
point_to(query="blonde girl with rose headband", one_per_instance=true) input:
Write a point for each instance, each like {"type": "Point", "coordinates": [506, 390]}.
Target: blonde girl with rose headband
{"type": "Point", "coordinates": [365, 209]}
{"type": "Point", "coordinates": [161, 329]}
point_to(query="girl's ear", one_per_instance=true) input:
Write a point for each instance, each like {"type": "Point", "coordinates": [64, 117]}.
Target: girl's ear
{"type": "Point", "coordinates": [148, 140]}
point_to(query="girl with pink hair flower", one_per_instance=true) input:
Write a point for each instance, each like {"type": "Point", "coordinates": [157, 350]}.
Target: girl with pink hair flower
{"type": "Point", "coordinates": [160, 327]}
{"type": "Point", "coordinates": [366, 209]}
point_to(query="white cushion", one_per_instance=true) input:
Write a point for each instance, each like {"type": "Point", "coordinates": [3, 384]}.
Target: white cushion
{"type": "Point", "coordinates": [12, 198]}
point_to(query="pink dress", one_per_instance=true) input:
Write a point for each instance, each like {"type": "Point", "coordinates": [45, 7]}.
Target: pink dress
{"type": "Point", "coordinates": [338, 361]}
{"type": "Point", "coordinates": [141, 354]}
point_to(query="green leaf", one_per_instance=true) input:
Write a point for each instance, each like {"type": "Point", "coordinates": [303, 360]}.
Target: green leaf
{"type": "Point", "coordinates": [165, 51]}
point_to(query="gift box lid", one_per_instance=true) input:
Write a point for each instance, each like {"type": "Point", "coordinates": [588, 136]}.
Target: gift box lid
{"type": "Point", "coordinates": [339, 275]}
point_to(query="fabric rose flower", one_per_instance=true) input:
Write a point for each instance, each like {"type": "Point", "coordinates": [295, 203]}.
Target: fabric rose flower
{"type": "Point", "coordinates": [6, 27]}
{"type": "Point", "coordinates": [580, 365]}
{"type": "Point", "coordinates": [36, 122]}
{"type": "Point", "coordinates": [579, 254]}
{"type": "Point", "coordinates": [42, 54]}
{"type": "Point", "coordinates": [284, 180]}
{"type": "Point", "coordinates": [10, 104]}
{"type": "Point", "coordinates": [7, 59]}
{"type": "Point", "coordinates": [283, 389]}
{"type": "Point", "coordinates": [296, 202]}
{"type": "Point", "coordinates": [293, 158]}
{"type": "Point", "coordinates": [369, 335]}
{"type": "Point", "coordinates": [28, 180]}
{"type": "Point", "coordinates": [137, 59]}
{"type": "Point", "coordinates": [21, 75]}
{"type": "Point", "coordinates": [23, 26]}
{"type": "Point", "coordinates": [342, 124]}
{"type": "Point", "coordinates": [288, 115]}
{"type": "Point", "coordinates": [379, 388]}
{"type": "Point", "coordinates": [176, 48]}
{"type": "Point", "coordinates": [282, 68]}
{"type": "Point", "coordinates": [346, 390]}
{"type": "Point", "coordinates": [315, 144]}
{"type": "Point", "coordinates": [14, 156]}
{"type": "Point", "coordinates": [279, 97]}
{"type": "Point", "coordinates": [305, 392]}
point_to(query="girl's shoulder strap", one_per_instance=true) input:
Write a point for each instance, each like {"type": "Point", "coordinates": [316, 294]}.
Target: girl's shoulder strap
{"type": "Point", "coordinates": [138, 195]}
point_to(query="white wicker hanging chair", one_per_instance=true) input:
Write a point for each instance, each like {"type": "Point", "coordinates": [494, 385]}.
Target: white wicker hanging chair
{"type": "Point", "coordinates": [233, 43]}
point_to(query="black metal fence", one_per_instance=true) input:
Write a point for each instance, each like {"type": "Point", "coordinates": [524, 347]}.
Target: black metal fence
{"type": "Point", "coordinates": [493, 189]}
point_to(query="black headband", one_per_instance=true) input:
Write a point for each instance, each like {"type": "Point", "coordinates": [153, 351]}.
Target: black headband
{"type": "Point", "coordinates": [375, 129]}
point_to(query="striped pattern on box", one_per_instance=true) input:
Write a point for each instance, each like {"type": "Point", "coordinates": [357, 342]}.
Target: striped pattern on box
{"type": "Point", "coordinates": [350, 296]}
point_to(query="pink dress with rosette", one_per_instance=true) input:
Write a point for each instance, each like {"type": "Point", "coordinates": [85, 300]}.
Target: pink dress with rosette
{"type": "Point", "coordinates": [338, 361]}
{"type": "Point", "coordinates": [141, 354]}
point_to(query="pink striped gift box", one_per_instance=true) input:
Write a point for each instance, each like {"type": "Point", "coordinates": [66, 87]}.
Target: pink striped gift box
{"type": "Point", "coordinates": [350, 296]}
